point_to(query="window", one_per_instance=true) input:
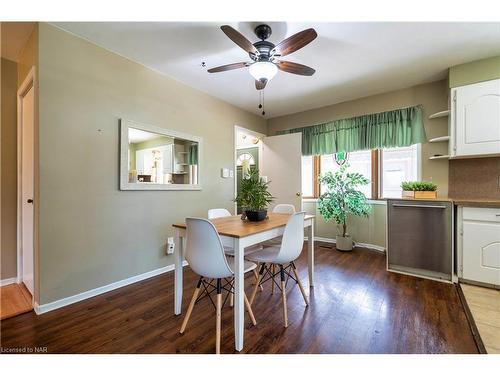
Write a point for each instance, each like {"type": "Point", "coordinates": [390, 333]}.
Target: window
{"type": "Point", "coordinates": [385, 169]}
{"type": "Point", "coordinates": [397, 165]}
{"type": "Point", "coordinates": [359, 162]}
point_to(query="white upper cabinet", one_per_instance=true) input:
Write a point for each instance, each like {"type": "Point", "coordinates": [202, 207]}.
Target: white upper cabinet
{"type": "Point", "coordinates": [475, 119]}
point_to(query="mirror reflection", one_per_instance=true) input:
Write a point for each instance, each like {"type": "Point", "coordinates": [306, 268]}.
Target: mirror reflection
{"type": "Point", "coordinates": [161, 159]}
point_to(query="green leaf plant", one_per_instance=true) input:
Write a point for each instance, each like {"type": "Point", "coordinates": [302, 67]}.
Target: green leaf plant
{"type": "Point", "coordinates": [418, 186]}
{"type": "Point", "coordinates": [254, 194]}
{"type": "Point", "coordinates": [342, 198]}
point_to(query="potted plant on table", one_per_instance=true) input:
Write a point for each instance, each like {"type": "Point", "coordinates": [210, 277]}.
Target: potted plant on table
{"type": "Point", "coordinates": [419, 189]}
{"type": "Point", "coordinates": [341, 200]}
{"type": "Point", "coordinates": [254, 196]}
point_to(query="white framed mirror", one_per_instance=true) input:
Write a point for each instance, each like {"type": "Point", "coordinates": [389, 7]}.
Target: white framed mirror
{"type": "Point", "coordinates": [154, 158]}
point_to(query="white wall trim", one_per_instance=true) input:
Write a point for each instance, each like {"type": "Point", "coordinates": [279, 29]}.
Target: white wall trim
{"type": "Point", "coordinates": [28, 83]}
{"type": "Point", "coordinates": [42, 309]}
{"type": "Point", "coordinates": [356, 244]}
{"type": "Point", "coordinates": [12, 280]}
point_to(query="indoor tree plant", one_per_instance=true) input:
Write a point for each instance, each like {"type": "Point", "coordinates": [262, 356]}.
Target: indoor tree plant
{"type": "Point", "coordinates": [341, 200]}
{"type": "Point", "coordinates": [254, 196]}
{"type": "Point", "coordinates": [419, 189]}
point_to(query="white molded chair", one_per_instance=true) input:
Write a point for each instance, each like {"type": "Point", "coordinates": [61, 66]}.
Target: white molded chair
{"type": "Point", "coordinates": [205, 255]}
{"type": "Point", "coordinates": [282, 256]}
{"type": "Point", "coordinates": [215, 213]}
{"type": "Point", "coordinates": [284, 208]}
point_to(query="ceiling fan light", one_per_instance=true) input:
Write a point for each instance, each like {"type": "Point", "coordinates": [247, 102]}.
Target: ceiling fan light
{"type": "Point", "coordinates": [263, 70]}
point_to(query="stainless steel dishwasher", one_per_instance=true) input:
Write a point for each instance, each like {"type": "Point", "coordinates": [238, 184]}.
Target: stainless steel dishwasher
{"type": "Point", "coordinates": [420, 238]}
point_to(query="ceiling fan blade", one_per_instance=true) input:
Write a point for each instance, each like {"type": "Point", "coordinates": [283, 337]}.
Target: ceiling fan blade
{"type": "Point", "coordinates": [260, 84]}
{"type": "Point", "coordinates": [223, 68]}
{"type": "Point", "coordinates": [295, 42]}
{"type": "Point", "coordinates": [295, 68]}
{"type": "Point", "coordinates": [239, 39]}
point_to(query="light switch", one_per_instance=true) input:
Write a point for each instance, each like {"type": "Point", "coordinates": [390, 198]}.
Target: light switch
{"type": "Point", "coordinates": [224, 173]}
{"type": "Point", "coordinates": [231, 174]}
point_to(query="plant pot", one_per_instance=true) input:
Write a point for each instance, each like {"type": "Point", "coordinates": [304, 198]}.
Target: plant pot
{"type": "Point", "coordinates": [256, 215]}
{"type": "Point", "coordinates": [343, 243]}
{"type": "Point", "coordinates": [420, 194]}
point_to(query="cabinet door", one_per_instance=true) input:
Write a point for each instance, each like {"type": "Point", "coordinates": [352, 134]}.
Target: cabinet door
{"type": "Point", "coordinates": [477, 119]}
{"type": "Point", "coordinates": [481, 252]}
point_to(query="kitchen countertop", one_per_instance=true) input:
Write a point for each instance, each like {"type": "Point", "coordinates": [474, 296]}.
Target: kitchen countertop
{"type": "Point", "coordinates": [469, 202]}
{"type": "Point", "coordinates": [493, 203]}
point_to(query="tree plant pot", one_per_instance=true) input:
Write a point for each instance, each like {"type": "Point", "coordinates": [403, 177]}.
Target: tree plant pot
{"type": "Point", "coordinates": [420, 194]}
{"type": "Point", "coordinates": [256, 215]}
{"type": "Point", "coordinates": [343, 243]}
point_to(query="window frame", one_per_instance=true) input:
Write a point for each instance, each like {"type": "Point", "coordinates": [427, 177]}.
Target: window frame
{"type": "Point", "coordinates": [376, 167]}
{"type": "Point", "coordinates": [381, 160]}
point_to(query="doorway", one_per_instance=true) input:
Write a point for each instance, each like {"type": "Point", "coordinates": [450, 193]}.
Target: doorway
{"type": "Point", "coordinates": [247, 156]}
{"type": "Point", "coordinates": [278, 159]}
{"type": "Point", "coordinates": [26, 183]}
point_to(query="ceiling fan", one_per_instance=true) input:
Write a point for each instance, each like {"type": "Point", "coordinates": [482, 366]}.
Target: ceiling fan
{"type": "Point", "coordinates": [264, 54]}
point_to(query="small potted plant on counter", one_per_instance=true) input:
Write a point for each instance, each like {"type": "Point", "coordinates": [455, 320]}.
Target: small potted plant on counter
{"type": "Point", "coordinates": [419, 189]}
{"type": "Point", "coordinates": [341, 200]}
{"type": "Point", "coordinates": [254, 196]}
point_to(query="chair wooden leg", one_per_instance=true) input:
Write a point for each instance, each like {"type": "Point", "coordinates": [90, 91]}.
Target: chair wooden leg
{"type": "Point", "coordinates": [218, 317]}
{"type": "Point", "coordinates": [191, 306]}
{"type": "Point", "coordinates": [273, 268]}
{"type": "Point", "coordinates": [249, 309]}
{"type": "Point", "coordinates": [261, 272]}
{"type": "Point", "coordinates": [256, 274]}
{"type": "Point", "coordinates": [283, 295]}
{"type": "Point", "coordinates": [300, 285]}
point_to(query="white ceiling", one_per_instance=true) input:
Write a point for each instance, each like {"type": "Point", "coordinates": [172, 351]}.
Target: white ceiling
{"type": "Point", "coordinates": [352, 60]}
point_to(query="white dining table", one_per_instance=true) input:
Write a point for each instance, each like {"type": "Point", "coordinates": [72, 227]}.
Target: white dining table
{"type": "Point", "coordinates": [243, 234]}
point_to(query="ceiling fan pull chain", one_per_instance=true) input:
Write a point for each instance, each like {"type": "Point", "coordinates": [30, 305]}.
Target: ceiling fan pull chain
{"type": "Point", "coordinates": [263, 104]}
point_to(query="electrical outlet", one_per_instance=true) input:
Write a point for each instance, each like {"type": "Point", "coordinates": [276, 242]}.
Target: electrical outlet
{"type": "Point", "coordinates": [170, 245]}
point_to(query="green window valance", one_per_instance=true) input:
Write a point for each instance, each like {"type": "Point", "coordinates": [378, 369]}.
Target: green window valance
{"type": "Point", "coordinates": [193, 154]}
{"type": "Point", "coordinates": [397, 128]}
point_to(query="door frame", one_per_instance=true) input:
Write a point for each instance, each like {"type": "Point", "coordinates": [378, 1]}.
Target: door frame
{"type": "Point", "coordinates": [28, 83]}
{"type": "Point", "coordinates": [235, 144]}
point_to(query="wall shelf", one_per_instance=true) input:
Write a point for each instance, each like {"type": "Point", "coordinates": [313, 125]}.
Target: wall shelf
{"type": "Point", "coordinates": [439, 157]}
{"type": "Point", "coordinates": [445, 138]}
{"type": "Point", "coordinates": [440, 114]}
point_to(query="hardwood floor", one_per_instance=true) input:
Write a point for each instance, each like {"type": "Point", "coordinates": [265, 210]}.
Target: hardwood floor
{"type": "Point", "coordinates": [15, 299]}
{"type": "Point", "coordinates": [355, 307]}
{"type": "Point", "coordinates": [484, 305]}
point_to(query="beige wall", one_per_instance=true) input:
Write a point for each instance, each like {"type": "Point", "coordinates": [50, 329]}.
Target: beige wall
{"type": "Point", "coordinates": [8, 252]}
{"type": "Point", "coordinates": [432, 96]}
{"type": "Point", "coordinates": [475, 71]}
{"type": "Point", "coordinates": [92, 234]}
